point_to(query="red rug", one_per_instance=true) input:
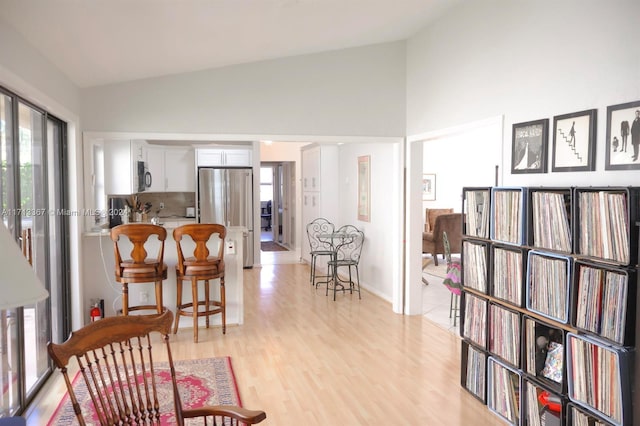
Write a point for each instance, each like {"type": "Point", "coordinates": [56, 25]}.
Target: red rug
{"type": "Point", "coordinates": [202, 381]}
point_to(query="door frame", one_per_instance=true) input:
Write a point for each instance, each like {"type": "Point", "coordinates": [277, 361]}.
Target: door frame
{"type": "Point", "coordinates": [287, 182]}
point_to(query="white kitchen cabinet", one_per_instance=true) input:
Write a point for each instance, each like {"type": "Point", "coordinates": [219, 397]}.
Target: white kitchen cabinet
{"type": "Point", "coordinates": [172, 169]}
{"type": "Point", "coordinates": [180, 170]}
{"type": "Point", "coordinates": [232, 156]}
{"type": "Point", "coordinates": [311, 169]}
{"type": "Point", "coordinates": [121, 158]}
{"type": "Point", "coordinates": [155, 164]}
{"type": "Point", "coordinates": [119, 176]}
{"type": "Point", "coordinates": [138, 150]}
{"type": "Point", "coordinates": [320, 191]}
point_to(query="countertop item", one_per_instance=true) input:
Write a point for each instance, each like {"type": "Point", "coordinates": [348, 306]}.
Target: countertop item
{"type": "Point", "coordinates": [167, 222]}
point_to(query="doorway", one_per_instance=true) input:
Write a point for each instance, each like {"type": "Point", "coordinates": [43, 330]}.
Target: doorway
{"type": "Point", "coordinates": [277, 202]}
{"type": "Point", "coordinates": [481, 144]}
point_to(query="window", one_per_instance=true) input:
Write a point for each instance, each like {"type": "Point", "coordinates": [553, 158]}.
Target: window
{"type": "Point", "coordinates": [266, 184]}
{"type": "Point", "coordinates": [32, 192]}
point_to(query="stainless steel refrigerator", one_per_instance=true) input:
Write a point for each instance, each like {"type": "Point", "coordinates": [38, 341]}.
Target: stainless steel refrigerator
{"type": "Point", "coordinates": [225, 195]}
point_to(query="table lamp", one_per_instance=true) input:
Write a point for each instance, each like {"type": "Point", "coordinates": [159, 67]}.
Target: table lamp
{"type": "Point", "coordinates": [19, 284]}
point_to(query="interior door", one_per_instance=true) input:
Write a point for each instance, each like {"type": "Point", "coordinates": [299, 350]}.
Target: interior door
{"type": "Point", "coordinates": [288, 190]}
{"type": "Point", "coordinates": [276, 205]}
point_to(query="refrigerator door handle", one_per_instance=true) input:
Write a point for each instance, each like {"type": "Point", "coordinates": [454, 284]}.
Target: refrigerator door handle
{"type": "Point", "coordinates": [226, 198]}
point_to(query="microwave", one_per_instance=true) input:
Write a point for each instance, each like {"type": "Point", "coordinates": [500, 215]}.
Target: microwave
{"type": "Point", "coordinates": [144, 176]}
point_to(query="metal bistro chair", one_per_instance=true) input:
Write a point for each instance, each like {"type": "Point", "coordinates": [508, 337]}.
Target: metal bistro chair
{"type": "Point", "coordinates": [346, 255]}
{"type": "Point", "coordinates": [452, 280]}
{"type": "Point", "coordinates": [319, 246]}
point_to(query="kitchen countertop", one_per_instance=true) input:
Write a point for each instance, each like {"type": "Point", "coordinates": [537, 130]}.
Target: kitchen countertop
{"type": "Point", "coordinates": [169, 222]}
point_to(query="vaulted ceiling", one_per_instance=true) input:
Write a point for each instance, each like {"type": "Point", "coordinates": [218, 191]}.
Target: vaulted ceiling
{"type": "Point", "coordinates": [96, 42]}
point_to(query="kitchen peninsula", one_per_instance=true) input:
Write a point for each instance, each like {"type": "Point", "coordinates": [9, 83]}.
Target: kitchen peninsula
{"type": "Point", "coordinates": [99, 270]}
{"type": "Point", "coordinates": [157, 180]}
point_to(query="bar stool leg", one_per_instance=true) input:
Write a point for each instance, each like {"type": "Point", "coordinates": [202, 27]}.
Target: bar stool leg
{"type": "Point", "coordinates": [178, 304]}
{"type": "Point", "coordinates": [206, 300]}
{"type": "Point", "coordinates": [159, 302]}
{"type": "Point", "coordinates": [125, 298]}
{"type": "Point", "coordinates": [194, 295]}
{"type": "Point", "coordinates": [224, 305]}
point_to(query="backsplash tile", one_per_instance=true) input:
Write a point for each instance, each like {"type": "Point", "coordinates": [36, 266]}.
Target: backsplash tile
{"type": "Point", "coordinates": [175, 203]}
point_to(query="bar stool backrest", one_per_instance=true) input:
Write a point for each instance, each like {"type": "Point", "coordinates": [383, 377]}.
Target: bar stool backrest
{"type": "Point", "coordinates": [138, 234]}
{"type": "Point", "coordinates": [200, 234]}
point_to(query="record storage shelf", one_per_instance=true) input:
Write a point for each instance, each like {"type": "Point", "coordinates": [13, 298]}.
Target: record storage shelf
{"type": "Point", "coordinates": [561, 225]}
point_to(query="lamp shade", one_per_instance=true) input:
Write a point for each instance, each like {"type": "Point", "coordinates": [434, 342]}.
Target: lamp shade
{"type": "Point", "coordinates": [19, 284]}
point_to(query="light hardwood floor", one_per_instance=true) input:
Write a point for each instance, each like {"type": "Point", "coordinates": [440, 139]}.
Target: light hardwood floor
{"type": "Point", "coordinates": [307, 360]}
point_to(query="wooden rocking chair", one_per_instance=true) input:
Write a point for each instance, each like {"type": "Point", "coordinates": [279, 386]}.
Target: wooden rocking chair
{"type": "Point", "coordinates": [116, 353]}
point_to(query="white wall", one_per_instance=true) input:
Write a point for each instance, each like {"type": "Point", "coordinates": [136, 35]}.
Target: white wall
{"type": "Point", "coordinates": [462, 157]}
{"type": "Point", "coordinates": [24, 71]}
{"type": "Point", "coordinates": [526, 61]}
{"type": "Point", "coordinates": [22, 65]}
{"type": "Point", "coordinates": [380, 264]}
{"type": "Point", "coordinates": [359, 91]}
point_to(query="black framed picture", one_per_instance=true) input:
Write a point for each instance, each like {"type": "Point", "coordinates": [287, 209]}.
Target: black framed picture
{"type": "Point", "coordinates": [574, 146]}
{"type": "Point", "coordinates": [623, 136]}
{"type": "Point", "coordinates": [529, 147]}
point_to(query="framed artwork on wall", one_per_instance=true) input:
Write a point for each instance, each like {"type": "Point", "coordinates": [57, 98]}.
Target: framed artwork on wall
{"type": "Point", "coordinates": [529, 147]}
{"type": "Point", "coordinates": [623, 136]}
{"type": "Point", "coordinates": [574, 147]}
{"type": "Point", "coordinates": [429, 187]}
{"type": "Point", "coordinates": [364, 188]}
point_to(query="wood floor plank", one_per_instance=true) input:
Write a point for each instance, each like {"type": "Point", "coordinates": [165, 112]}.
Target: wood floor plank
{"type": "Point", "coordinates": [307, 360]}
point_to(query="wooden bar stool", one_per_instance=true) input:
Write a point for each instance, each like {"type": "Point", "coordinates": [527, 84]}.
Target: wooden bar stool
{"type": "Point", "coordinates": [139, 268]}
{"type": "Point", "coordinates": [200, 267]}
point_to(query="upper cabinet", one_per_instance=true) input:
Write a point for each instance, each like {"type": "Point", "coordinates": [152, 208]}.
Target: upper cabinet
{"type": "Point", "coordinates": [172, 169]}
{"type": "Point", "coordinates": [320, 187]}
{"type": "Point", "coordinates": [311, 169]}
{"type": "Point", "coordinates": [228, 156]}
{"type": "Point", "coordinates": [122, 163]}
{"type": "Point", "coordinates": [155, 165]}
{"type": "Point", "coordinates": [120, 159]}
{"type": "Point", "coordinates": [180, 170]}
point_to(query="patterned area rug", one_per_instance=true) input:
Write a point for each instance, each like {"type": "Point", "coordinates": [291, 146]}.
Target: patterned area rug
{"type": "Point", "coordinates": [271, 246]}
{"type": "Point", "coordinates": [202, 381]}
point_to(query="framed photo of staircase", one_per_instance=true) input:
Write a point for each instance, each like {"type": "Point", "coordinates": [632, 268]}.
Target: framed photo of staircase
{"type": "Point", "coordinates": [529, 147]}
{"type": "Point", "coordinates": [623, 137]}
{"type": "Point", "coordinates": [574, 147]}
